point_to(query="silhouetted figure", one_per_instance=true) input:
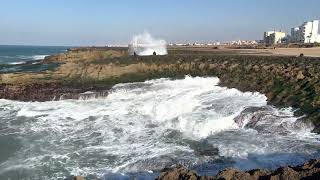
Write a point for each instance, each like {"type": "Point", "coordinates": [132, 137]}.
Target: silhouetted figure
{"type": "Point", "coordinates": [301, 55]}
{"type": "Point", "coordinates": [154, 53]}
{"type": "Point", "coordinates": [134, 54]}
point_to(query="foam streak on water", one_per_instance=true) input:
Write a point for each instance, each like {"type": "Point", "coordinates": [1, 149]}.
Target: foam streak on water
{"type": "Point", "coordinates": [143, 127]}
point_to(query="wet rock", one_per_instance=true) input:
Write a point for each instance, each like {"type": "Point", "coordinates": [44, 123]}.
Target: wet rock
{"type": "Point", "coordinates": [231, 173]}
{"type": "Point", "coordinates": [235, 174]}
{"type": "Point", "coordinates": [78, 178]}
{"type": "Point", "coordinates": [178, 172]}
{"type": "Point", "coordinates": [259, 173]}
{"type": "Point", "coordinates": [308, 171]}
{"type": "Point", "coordinates": [49, 92]}
{"type": "Point", "coordinates": [204, 148]}
{"type": "Point", "coordinates": [284, 173]}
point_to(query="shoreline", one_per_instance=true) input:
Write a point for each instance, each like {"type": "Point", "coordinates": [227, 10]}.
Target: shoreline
{"type": "Point", "coordinates": [309, 170]}
{"type": "Point", "coordinates": [285, 80]}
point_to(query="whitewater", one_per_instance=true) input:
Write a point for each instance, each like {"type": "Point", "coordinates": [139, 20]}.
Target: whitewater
{"type": "Point", "coordinates": [140, 128]}
{"type": "Point", "coordinates": [145, 45]}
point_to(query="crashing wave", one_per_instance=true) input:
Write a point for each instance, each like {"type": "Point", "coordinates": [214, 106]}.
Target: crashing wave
{"type": "Point", "coordinates": [18, 63]}
{"type": "Point", "coordinates": [145, 45]}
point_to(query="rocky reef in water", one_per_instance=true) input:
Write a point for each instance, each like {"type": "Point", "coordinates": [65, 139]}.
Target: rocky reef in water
{"type": "Point", "coordinates": [308, 171]}
{"type": "Point", "coordinates": [286, 81]}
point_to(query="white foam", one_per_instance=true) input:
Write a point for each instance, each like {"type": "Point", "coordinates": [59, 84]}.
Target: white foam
{"type": "Point", "coordinates": [145, 45]}
{"type": "Point", "coordinates": [39, 57]}
{"type": "Point", "coordinates": [17, 63]}
{"type": "Point", "coordinates": [33, 57]}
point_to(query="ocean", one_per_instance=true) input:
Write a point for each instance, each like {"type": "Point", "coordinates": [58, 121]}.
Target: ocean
{"type": "Point", "coordinates": [26, 58]}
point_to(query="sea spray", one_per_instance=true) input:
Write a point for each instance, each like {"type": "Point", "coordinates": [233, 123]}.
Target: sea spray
{"type": "Point", "coordinates": [145, 45]}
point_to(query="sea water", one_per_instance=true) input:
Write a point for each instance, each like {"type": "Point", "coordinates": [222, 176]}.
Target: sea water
{"type": "Point", "coordinates": [26, 58]}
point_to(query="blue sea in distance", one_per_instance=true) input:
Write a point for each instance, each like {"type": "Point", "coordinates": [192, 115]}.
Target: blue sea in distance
{"type": "Point", "coordinates": [21, 54]}
{"type": "Point", "coordinates": [26, 58]}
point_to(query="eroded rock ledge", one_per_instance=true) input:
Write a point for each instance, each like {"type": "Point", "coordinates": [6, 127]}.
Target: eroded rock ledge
{"type": "Point", "coordinates": [308, 171]}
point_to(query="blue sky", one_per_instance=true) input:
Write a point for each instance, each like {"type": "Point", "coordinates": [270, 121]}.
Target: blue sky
{"type": "Point", "coordinates": [99, 22]}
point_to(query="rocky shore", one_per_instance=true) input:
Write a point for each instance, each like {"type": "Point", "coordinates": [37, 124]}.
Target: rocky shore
{"type": "Point", "coordinates": [86, 73]}
{"type": "Point", "coordinates": [308, 171]}
{"type": "Point", "coordinates": [286, 81]}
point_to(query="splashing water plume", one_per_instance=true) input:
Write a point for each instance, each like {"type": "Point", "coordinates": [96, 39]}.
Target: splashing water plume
{"type": "Point", "coordinates": [145, 45]}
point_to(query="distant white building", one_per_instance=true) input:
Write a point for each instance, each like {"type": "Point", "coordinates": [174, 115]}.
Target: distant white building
{"type": "Point", "coordinates": [274, 37]}
{"type": "Point", "coordinates": [308, 32]}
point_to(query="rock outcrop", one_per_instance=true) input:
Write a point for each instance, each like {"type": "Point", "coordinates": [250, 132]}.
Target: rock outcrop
{"type": "Point", "coordinates": [307, 171]}
{"type": "Point", "coordinates": [86, 54]}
